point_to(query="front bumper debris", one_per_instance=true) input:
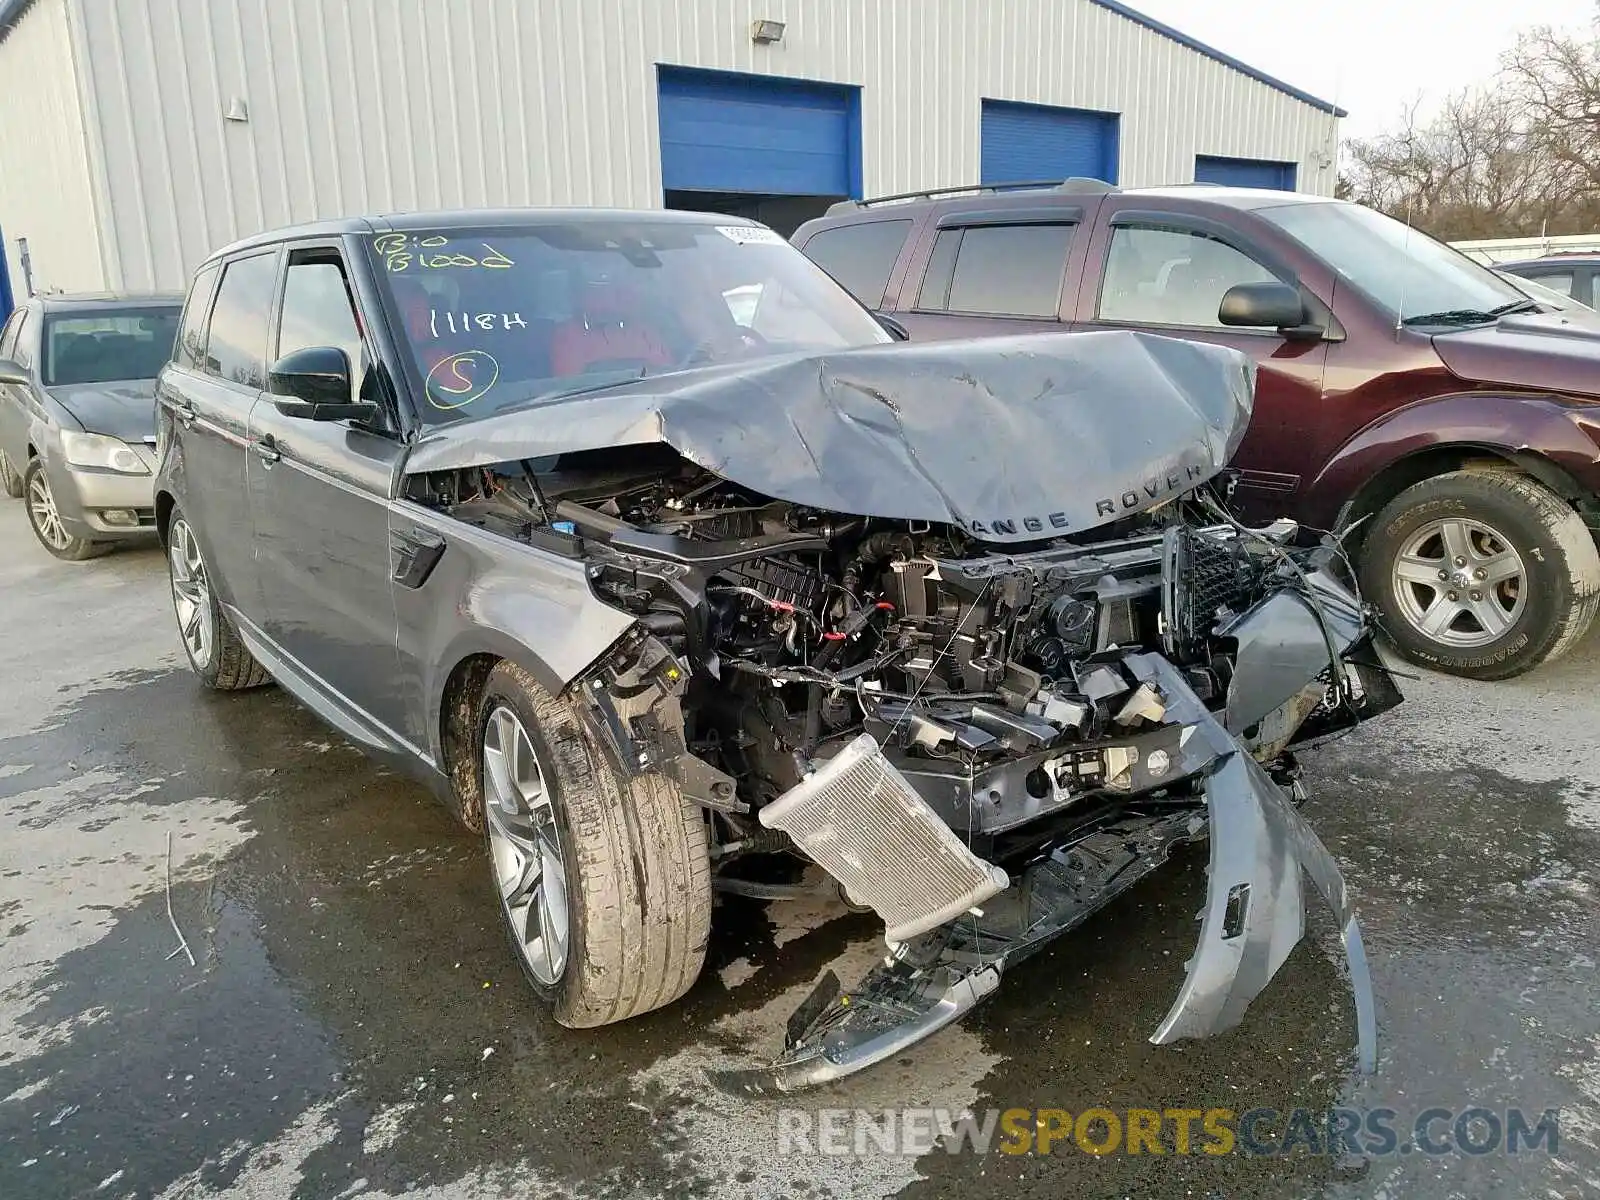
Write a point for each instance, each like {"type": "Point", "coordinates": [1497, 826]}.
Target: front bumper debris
{"type": "Point", "coordinates": [1253, 917]}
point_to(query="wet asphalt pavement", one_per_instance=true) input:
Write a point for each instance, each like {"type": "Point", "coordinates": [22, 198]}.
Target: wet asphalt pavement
{"type": "Point", "coordinates": [354, 1025]}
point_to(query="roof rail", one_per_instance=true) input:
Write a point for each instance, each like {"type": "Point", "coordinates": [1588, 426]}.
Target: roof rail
{"type": "Point", "coordinates": [1076, 185]}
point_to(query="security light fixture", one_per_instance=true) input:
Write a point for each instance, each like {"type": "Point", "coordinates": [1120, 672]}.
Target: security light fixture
{"type": "Point", "coordinates": [765, 32]}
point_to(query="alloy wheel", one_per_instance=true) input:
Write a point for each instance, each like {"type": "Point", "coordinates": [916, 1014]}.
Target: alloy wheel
{"type": "Point", "coordinates": [191, 594]}
{"type": "Point", "coordinates": [1460, 582]}
{"type": "Point", "coordinates": [525, 844]}
{"type": "Point", "coordinates": [46, 518]}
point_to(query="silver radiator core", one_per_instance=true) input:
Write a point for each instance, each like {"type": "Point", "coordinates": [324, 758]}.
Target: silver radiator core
{"type": "Point", "coordinates": [867, 827]}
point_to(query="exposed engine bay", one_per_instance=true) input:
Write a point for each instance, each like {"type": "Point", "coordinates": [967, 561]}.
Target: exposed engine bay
{"type": "Point", "coordinates": [983, 743]}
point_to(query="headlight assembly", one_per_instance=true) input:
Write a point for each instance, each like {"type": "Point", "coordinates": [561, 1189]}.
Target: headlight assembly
{"type": "Point", "coordinates": [101, 452]}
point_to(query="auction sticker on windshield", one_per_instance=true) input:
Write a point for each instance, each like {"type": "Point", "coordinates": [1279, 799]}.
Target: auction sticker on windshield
{"type": "Point", "coordinates": [750, 235]}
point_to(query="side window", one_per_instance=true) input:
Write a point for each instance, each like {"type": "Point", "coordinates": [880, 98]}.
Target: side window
{"type": "Point", "coordinates": [1591, 293]}
{"type": "Point", "coordinates": [997, 270]}
{"type": "Point", "coordinates": [8, 334]}
{"type": "Point", "coordinates": [1560, 281]}
{"type": "Point", "coordinates": [22, 348]}
{"type": "Point", "coordinates": [190, 348]}
{"type": "Point", "coordinates": [1171, 277]}
{"type": "Point", "coordinates": [318, 311]}
{"type": "Point", "coordinates": [236, 343]}
{"type": "Point", "coordinates": [860, 257]}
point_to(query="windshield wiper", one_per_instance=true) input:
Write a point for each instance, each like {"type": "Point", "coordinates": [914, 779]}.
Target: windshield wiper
{"type": "Point", "coordinates": [1473, 316]}
{"type": "Point", "coordinates": [1454, 316]}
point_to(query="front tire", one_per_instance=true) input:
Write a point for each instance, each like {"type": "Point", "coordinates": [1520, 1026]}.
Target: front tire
{"type": "Point", "coordinates": [1482, 573]}
{"type": "Point", "coordinates": [45, 519]}
{"type": "Point", "coordinates": [213, 647]}
{"type": "Point", "coordinates": [603, 879]}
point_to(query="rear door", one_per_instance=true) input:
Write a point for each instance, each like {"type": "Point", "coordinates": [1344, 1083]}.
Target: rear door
{"type": "Point", "coordinates": [206, 397]}
{"type": "Point", "coordinates": [319, 494]}
{"type": "Point", "coordinates": [993, 272]}
{"type": "Point", "coordinates": [1166, 272]}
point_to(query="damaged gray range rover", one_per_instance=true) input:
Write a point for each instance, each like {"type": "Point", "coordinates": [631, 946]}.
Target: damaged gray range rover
{"type": "Point", "coordinates": [674, 572]}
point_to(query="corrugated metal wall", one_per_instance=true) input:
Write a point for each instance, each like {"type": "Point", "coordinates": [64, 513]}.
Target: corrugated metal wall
{"type": "Point", "coordinates": [402, 104]}
{"type": "Point", "coordinates": [45, 193]}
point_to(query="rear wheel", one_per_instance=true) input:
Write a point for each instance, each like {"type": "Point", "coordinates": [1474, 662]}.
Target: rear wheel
{"type": "Point", "coordinates": [44, 518]}
{"type": "Point", "coordinates": [9, 479]}
{"type": "Point", "coordinates": [215, 652]}
{"type": "Point", "coordinates": [603, 879]}
{"type": "Point", "coordinates": [1482, 573]}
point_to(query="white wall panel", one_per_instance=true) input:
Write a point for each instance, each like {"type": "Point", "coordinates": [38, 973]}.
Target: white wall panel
{"type": "Point", "coordinates": [377, 105]}
{"type": "Point", "coordinates": [45, 190]}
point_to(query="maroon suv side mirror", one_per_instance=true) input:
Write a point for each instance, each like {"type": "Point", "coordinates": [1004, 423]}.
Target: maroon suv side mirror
{"type": "Point", "coordinates": [1262, 305]}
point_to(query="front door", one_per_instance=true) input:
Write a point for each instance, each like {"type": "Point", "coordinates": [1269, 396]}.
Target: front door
{"type": "Point", "coordinates": [1168, 276]}
{"type": "Point", "coordinates": [319, 494]}
{"type": "Point", "coordinates": [13, 397]}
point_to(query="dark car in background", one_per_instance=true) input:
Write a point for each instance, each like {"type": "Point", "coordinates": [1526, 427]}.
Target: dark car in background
{"type": "Point", "coordinates": [668, 569]}
{"type": "Point", "coordinates": [77, 416]}
{"type": "Point", "coordinates": [1576, 274]}
{"type": "Point", "coordinates": [1444, 418]}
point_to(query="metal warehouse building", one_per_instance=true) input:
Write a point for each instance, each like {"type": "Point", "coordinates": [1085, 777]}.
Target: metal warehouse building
{"type": "Point", "coordinates": [137, 135]}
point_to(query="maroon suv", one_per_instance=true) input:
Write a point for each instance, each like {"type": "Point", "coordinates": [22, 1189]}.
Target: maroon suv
{"type": "Point", "coordinates": [1405, 393]}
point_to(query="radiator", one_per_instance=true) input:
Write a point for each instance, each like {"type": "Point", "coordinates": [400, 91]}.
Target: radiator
{"type": "Point", "coordinates": [867, 827]}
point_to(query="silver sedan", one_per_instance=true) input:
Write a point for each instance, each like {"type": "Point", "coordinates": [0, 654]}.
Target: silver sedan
{"type": "Point", "coordinates": [77, 416]}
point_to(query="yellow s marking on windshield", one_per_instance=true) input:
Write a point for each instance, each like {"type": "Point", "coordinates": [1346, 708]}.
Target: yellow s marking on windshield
{"type": "Point", "coordinates": [458, 380]}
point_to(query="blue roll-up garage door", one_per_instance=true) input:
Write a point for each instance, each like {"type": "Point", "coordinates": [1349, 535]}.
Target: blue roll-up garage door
{"type": "Point", "coordinates": [759, 134]}
{"type": "Point", "coordinates": [5, 281]}
{"type": "Point", "coordinates": [1026, 142]}
{"type": "Point", "coordinates": [1245, 172]}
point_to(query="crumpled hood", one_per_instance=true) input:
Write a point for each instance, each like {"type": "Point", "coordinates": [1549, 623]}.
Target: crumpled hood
{"type": "Point", "coordinates": [125, 409]}
{"type": "Point", "coordinates": [1547, 352]}
{"type": "Point", "coordinates": [1009, 438]}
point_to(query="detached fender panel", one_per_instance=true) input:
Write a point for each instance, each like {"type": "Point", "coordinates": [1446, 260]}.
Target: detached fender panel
{"type": "Point", "coordinates": [1254, 913]}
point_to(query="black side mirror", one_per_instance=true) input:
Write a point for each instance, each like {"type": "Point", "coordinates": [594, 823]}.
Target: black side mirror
{"type": "Point", "coordinates": [315, 386]}
{"type": "Point", "coordinates": [11, 372]}
{"type": "Point", "coordinates": [896, 330]}
{"type": "Point", "coordinates": [1263, 305]}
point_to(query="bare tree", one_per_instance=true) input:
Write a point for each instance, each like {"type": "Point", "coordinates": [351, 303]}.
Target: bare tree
{"type": "Point", "coordinates": [1519, 156]}
{"type": "Point", "coordinates": [1556, 76]}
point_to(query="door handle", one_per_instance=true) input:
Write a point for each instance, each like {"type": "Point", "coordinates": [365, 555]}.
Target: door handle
{"type": "Point", "coordinates": [266, 448]}
{"type": "Point", "coordinates": [184, 411]}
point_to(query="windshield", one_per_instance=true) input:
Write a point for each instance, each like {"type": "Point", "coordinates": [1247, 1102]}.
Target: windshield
{"type": "Point", "coordinates": [1415, 279]}
{"type": "Point", "coordinates": [107, 345]}
{"type": "Point", "coordinates": [495, 318]}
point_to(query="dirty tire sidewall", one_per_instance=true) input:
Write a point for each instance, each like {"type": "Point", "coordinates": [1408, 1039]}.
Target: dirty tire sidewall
{"type": "Point", "coordinates": [638, 868]}
{"type": "Point", "coordinates": [232, 667]}
{"type": "Point", "coordinates": [1558, 554]}
{"type": "Point", "coordinates": [10, 478]}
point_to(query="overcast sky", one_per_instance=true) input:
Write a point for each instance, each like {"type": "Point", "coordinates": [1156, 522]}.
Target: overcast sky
{"type": "Point", "coordinates": [1372, 57]}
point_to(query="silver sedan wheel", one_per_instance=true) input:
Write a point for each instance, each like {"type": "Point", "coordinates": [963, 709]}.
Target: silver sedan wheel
{"type": "Point", "coordinates": [191, 594]}
{"type": "Point", "coordinates": [42, 508]}
{"type": "Point", "coordinates": [526, 846]}
{"type": "Point", "coordinates": [1460, 582]}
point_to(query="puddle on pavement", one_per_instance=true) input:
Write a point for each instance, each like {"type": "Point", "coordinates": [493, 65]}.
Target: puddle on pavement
{"type": "Point", "coordinates": [352, 975]}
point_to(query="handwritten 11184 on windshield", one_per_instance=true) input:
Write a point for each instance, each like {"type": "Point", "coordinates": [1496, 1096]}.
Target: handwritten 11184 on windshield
{"type": "Point", "coordinates": [402, 252]}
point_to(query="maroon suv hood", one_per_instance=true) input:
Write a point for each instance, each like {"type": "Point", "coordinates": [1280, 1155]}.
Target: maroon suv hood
{"type": "Point", "coordinates": [1547, 352]}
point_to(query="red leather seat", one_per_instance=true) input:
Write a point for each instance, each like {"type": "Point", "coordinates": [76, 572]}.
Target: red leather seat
{"type": "Point", "coordinates": [608, 331]}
